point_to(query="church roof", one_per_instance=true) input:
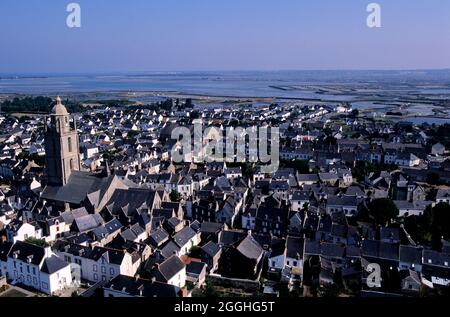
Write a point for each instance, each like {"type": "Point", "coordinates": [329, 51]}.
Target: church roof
{"type": "Point", "coordinates": [79, 185]}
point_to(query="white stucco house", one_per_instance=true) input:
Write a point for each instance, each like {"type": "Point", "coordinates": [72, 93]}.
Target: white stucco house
{"type": "Point", "coordinates": [37, 267]}
{"type": "Point", "coordinates": [98, 263]}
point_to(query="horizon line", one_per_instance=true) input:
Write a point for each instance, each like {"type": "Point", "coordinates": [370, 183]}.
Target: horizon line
{"type": "Point", "coordinates": [125, 72]}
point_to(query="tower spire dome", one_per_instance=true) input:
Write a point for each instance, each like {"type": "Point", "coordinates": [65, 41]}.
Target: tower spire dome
{"type": "Point", "coordinates": [59, 109]}
{"type": "Point", "coordinates": [61, 146]}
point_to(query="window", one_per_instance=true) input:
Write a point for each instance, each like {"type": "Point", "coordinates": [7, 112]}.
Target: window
{"type": "Point", "coordinates": [95, 268]}
{"type": "Point", "coordinates": [69, 143]}
{"type": "Point", "coordinates": [95, 277]}
{"type": "Point", "coordinates": [44, 285]}
{"type": "Point", "coordinates": [111, 271]}
{"type": "Point", "coordinates": [103, 269]}
{"type": "Point", "coordinates": [34, 271]}
{"type": "Point", "coordinates": [295, 263]}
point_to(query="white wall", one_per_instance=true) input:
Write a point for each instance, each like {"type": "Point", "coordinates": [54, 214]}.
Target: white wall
{"type": "Point", "coordinates": [179, 279]}
{"type": "Point", "coordinates": [277, 262]}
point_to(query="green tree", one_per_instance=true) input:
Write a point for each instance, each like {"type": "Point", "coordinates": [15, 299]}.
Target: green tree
{"type": "Point", "coordinates": [433, 179]}
{"type": "Point", "coordinates": [175, 196]}
{"type": "Point", "coordinates": [440, 220]}
{"type": "Point", "coordinates": [194, 114]}
{"type": "Point", "coordinates": [38, 242]}
{"type": "Point", "coordinates": [329, 290]}
{"type": "Point", "coordinates": [383, 210]}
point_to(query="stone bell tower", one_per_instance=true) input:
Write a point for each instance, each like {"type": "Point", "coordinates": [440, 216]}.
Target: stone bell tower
{"type": "Point", "coordinates": [61, 146]}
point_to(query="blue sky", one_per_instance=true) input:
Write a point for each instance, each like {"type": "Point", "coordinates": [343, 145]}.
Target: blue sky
{"type": "Point", "coordinates": [177, 35]}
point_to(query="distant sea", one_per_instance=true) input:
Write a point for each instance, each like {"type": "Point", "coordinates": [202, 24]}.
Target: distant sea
{"type": "Point", "coordinates": [325, 85]}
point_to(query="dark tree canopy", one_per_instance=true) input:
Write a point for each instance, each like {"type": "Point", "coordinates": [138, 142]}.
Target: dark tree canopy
{"type": "Point", "coordinates": [440, 220]}
{"type": "Point", "coordinates": [383, 210]}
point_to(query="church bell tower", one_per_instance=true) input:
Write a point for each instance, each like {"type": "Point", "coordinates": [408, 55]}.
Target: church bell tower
{"type": "Point", "coordinates": [61, 146]}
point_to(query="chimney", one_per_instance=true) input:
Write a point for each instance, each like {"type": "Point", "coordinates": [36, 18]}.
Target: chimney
{"type": "Point", "coordinates": [141, 290]}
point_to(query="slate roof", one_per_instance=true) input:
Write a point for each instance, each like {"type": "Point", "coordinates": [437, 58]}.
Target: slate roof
{"type": "Point", "coordinates": [435, 258]}
{"type": "Point", "coordinates": [381, 250]}
{"type": "Point", "coordinates": [164, 213]}
{"type": "Point", "coordinates": [443, 193]}
{"type": "Point", "coordinates": [195, 268]}
{"type": "Point", "coordinates": [250, 248]}
{"type": "Point", "coordinates": [184, 236]}
{"type": "Point", "coordinates": [410, 254]}
{"type": "Point", "coordinates": [53, 264]}
{"type": "Point", "coordinates": [5, 247]}
{"type": "Point", "coordinates": [211, 227]}
{"type": "Point", "coordinates": [113, 226]}
{"type": "Point", "coordinates": [69, 216]}
{"type": "Point", "coordinates": [100, 233]}
{"type": "Point", "coordinates": [129, 200]}
{"type": "Point", "coordinates": [211, 249]}
{"type": "Point", "coordinates": [354, 191]}
{"type": "Point", "coordinates": [141, 287]}
{"type": "Point", "coordinates": [170, 249]}
{"type": "Point", "coordinates": [301, 195]}
{"type": "Point", "coordinates": [115, 256]}
{"type": "Point", "coordinates": [25, 251]}
{"type": "Point", "coordinates": [277, 247]}
{"type": "Point", "coordinates": [158, 237]}
{"type": "Point", "coordinates": [311, 247]}
{"type": "Point", "coordinates": [332, 250]}
{"type": "Point", "coordinates": [339, 230]}
{"type": "Point", "coordinates": [307, 178]}
{"type": "Point", "coordinates": [79, 185]}
{"type": "Point", "coordinates": [342, 201]}
{"type": "Point", "coordinates": [294, 247]}
{"type": "Point", "coordinates": [170, 267]}
{"type": "Point", "coordinates": [88, 222]}
{"type": "Point", "coordinates": [229, 237]}
{"type": "Point", "coordinates": [133, 232]}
